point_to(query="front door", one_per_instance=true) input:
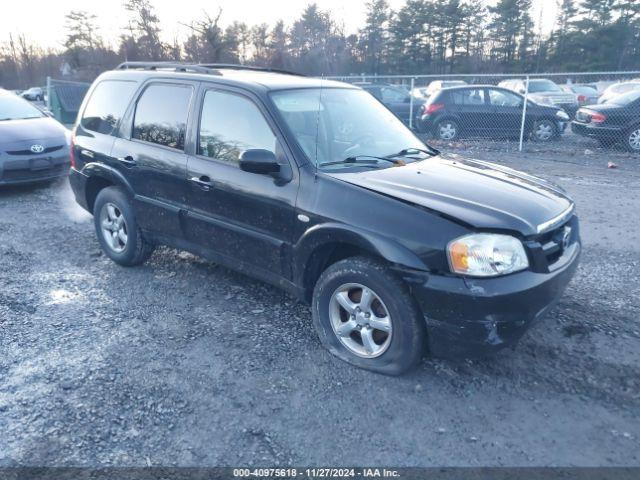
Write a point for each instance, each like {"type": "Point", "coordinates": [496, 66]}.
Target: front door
{"type": "Point", "coordinates": [506, 112]}
{"type": "Point", "coordinates": [245, 217]}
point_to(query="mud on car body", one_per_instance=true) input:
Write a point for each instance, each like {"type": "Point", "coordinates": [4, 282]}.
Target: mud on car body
{"type": "Point", "coordinates": [316, 187]}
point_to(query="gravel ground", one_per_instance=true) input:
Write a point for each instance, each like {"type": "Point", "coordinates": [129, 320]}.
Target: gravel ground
{"type": "Point", "coordinates": [182, 362]}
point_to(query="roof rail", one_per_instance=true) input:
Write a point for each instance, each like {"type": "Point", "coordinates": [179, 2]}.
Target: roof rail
{"type": "Point", "coordinates": [234, 66]}
{"type": "Point", "coordinates": [177, 66]}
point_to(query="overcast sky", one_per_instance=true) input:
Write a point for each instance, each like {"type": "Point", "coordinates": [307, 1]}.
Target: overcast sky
{"type": "Point", "coordinates": [42, 21]}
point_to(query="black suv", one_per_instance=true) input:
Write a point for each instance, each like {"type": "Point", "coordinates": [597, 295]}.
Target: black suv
{"type": "Point", "coordinates": [316, 187]}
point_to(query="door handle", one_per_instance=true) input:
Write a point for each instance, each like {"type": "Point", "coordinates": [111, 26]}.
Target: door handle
{"type": "Point", "coordinates": [204, 182]}
{"type": "Point", "coordinates": [86, 153]}
{"type": "Point", "coordinates": [127, 161]}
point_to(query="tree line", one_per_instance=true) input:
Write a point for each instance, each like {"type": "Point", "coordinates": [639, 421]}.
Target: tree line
{"type": "Point", "coordinates": [421, 37]}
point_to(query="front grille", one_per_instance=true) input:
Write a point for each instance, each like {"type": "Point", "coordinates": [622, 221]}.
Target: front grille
{"type": "Point", "coordinates": [552, 242]}
{"type": "Point", "coordinates": [29, 152]}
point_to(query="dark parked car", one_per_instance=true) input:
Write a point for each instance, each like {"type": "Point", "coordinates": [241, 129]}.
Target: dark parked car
{"type": "Point", "coordinates": [396, 99]}
{"type": "Point", "coordinates": [317, 188]}
{"type": "Point", "coordinates": [488, 111]}
{"type": "Point", "coordinates": [617, 121]}
{"type": "Point", "coordinates": [33, 146]}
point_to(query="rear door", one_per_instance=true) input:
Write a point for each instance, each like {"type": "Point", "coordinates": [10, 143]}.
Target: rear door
{"type": "Point", "coordinates": [245, 217]}
{"type": "Point", "coordinates": [151, 153]}
{"type": "Point", "coordinates": [472, 109]}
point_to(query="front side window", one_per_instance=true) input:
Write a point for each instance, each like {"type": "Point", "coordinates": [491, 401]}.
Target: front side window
{"type": "Point", "coordinates": [106, 106]}
{"type": "Point", "coordinates": [501, 98]}
{"type": "Point", "coordinates": [231, 124]}
{"type": "Point", "coordinates": [15, 108]}
{"type": "Point", "coordinates": [334, 124]}
{"type": "Point", "coordinates": [161, 115]}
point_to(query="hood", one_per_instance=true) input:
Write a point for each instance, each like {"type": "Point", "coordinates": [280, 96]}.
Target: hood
{"type": "Point", "coordinates": [34, 129]}
{"type": "Point", "coordinates": [477, 193]}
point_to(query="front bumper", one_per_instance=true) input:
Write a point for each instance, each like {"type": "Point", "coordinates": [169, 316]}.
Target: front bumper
{"type": "Point", "coordinates": [15, 171]}
{"type": "Point", "coordinates": [471, 317]}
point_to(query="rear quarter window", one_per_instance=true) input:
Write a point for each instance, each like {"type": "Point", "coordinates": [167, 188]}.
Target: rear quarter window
{"type": "Point", "coordinates": [107, 104]}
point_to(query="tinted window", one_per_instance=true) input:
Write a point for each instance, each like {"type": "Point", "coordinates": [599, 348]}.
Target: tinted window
{"type": "Point", "coordinates": [468, 97]}
{"type": "Point", "coordinates": [106, 106]}
{"type": "Point", "coordinates": [231, 124]}
{"type": "Point", "coordinates": [161, 115]}
{"type": "Point", "coordinates": [500, 98]}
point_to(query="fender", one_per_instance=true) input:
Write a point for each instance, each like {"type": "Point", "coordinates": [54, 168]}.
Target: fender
{"type": "Point", "coordinates": [95, 169]}
{"type": "Point", "coordinates": [326, 233]}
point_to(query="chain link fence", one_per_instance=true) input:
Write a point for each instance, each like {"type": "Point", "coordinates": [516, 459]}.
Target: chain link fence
{"type": "Point", "coordinates": [510, 112]}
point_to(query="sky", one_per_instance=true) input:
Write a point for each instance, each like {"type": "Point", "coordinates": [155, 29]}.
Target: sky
{"type": "Point", "coordinates": [42, 21]}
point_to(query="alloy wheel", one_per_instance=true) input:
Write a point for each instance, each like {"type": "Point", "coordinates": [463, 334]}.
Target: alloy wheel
{"type": "Point", "coordinates": [447, 131]}
{"type": "Point", "coordinates": [360, 320]}
{"type": "Point", "coordinates": [114, 227]}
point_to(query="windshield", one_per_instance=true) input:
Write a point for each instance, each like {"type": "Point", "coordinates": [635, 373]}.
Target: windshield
{"type": "Point", "coordinates": [14, 108]}
{"type": "Point", "coordinates": [536, 86]}
{"type": "Point", "coordinates": [626, 98]}
{"type": "Point", "coordinates": [334, 124]}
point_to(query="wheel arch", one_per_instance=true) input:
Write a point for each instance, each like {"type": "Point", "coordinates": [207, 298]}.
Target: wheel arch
{"type": "Point", "coordinates": [101, 176]}
{"type": "Point", "coordinates": [323, 245]}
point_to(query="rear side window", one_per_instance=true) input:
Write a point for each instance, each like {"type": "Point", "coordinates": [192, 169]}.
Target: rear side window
{"type": "Point", "coordinates": [161, 115]}
{"type": "Point", "coordinates": [106, 106]}
{"type": "Point", "coordinates": [231, 124]}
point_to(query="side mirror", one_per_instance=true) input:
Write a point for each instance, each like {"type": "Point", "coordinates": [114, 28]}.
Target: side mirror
{"type": "Point", "coordinates": [259, 161]}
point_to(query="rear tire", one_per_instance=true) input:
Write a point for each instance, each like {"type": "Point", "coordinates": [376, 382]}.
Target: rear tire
{"type": "Point", "coordinates": [381, 330]}
{"type": "Point", "coordinates": [447, 130]}
{"type": "Point", "coordinates": [117, 229]}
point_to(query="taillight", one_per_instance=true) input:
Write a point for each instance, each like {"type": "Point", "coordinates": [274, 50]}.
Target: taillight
{"type": "Point", "coordinates": [582, 98]}
{"type": "Point", "coordinates": [598, 117]}
{"type": "Point", "coordinates": [433, 108]}
{"type": "Point", "coordinates": [72, 151]}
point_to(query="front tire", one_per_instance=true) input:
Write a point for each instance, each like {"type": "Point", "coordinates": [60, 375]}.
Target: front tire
{"type": "Point", "coordinates": [366, 316]}
{"type": "Point", "coordinates": [633, 139]}
{"type": "Point", "coordinates": [117, 229]}
{"type": "Point", "coordinates": [544, 130]}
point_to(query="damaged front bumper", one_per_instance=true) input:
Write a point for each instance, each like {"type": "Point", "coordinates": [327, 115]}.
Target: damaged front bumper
{"type": "Point", "coordinates": [471, 317]}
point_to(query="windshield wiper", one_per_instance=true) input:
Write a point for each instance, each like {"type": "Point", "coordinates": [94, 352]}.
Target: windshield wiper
{"type": "Point", "coordinates": [408, 151]}
{"type": "Point", "coordinates": [362, 159]}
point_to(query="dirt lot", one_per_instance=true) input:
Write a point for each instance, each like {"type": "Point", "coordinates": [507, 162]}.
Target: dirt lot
{"type": "Point", "coordinates": [181, 362]}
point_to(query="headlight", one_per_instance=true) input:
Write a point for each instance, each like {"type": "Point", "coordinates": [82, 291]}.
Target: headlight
{"type": "Point", "coordinates": [486, 255]}
{"type": "Point", "coordinates": [562, 115]}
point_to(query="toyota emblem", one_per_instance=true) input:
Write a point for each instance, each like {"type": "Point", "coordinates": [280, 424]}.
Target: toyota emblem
{"type": "Point", "coordinates": [37, 148]}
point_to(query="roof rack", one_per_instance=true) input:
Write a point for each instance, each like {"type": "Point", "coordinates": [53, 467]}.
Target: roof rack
{"type": "Point", "coordinates": [178, 67]}
{"type": "Point", "coordinates": [234, 66]}
{"type": "Point", "coordinates": [211, 68]}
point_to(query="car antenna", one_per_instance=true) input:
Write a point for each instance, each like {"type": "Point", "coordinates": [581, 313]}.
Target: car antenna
{"type": "Point", "coordinates": [318, 123]}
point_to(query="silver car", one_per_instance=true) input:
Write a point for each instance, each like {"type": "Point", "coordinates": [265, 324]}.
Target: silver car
{"type": "Point", "coordinates": [33, 146]}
